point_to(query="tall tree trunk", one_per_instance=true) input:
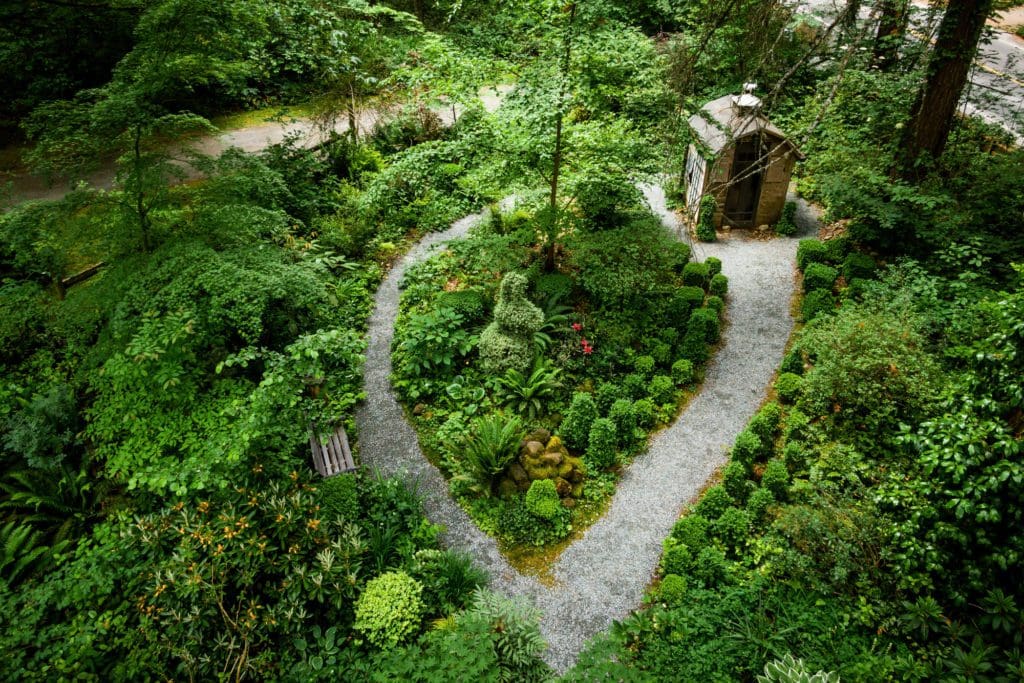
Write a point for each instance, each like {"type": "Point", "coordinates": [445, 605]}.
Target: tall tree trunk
{"type": "Point", "coordinates": [552, 236]}
{"type": "Point", "coordinates": [892, 25]}
{"type": "Point", "coordinates": [931, 117]}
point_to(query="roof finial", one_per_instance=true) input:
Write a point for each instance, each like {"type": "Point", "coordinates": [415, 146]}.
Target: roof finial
{"type": "Point", "coordinates": [748, 101]}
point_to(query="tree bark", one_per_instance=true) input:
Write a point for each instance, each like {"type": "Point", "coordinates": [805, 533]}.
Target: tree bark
{"type": "Point", "coordinates": [549, 252]}
{"type": "Point", "coordinates": [931, 117]}
{"type": "Point", "coordinates": [892, 26]}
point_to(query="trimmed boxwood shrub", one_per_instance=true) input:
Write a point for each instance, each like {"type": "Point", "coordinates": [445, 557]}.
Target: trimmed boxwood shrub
{"type": "Point", "coordinates": [732, 527]}
{"type": "Point", "coordinates": [389, 609]}
{"type": "Point", "coordinates": [765, 423]}
{"type": "Point", "coordinates": [682, 372]}
{"type": "Point", "coordinates": [808, 252]}
{"type": "Point", "coordinates": [621, 413]}
{"type": "Point", "coordinates": [858, 265]}
{"type": "Point", "coordinates": [706, 321]}
{"type": "Point", "coordinates": [644, 413]}
{"type": "Point", "coordinates": [644, 365]}
{"type": "Point", "coordinates": [661, 351]}
{"type": "Point", "coordinates": [683, 302]}
{"type": "Point", "coordinates": [748, 447]}
{"type": "Point", "coordinates": [819, 276]}
{"type": "Point", "coordinates": [695, 275]}
{"type": "Point", "coordinates": [714, 265]}
{"type": "Point", "coordinates": [776, 479]}
{"type": "Point", "coordinates": [676, 557]}
{"type": "Point", "coordinates": [818, 302]}
{"type": "Point", "coordinates": [469, 303]}
{"type": "Point", "coordinates": [542, 499]}
{"type": "Point", "coordinates": [787, 386]}
{"type": "Point", "coordinates": [710, 569]}
{"type": "Point", "coordinates": [837, 248]}
{"type": "Point", "coordinates": [716, 304]}
{"type": "Point", "coordinates": [601, 447]}
{"type": "Point", "coordinates": [692, 531]}
{"type": "Point", "coordinates": [607, 393]}
{"type": "Point", "coordinates": [662, 389]}
{"type": "Point", "coordinates": [735, 479]}
{"type": "Point", "coordinates": [713, 503]}
{"type": "Point", "coordinates": [694, 347]}
{"type": "Point", "coordinates": [798, 425]}
{"type": "Point", "coordinates": [575, 428]}
{"type": "Point", "coordinates": [758, 503]}
{"type": "Point", "coordinates": [787, 223]}
{"type": "Point", "coordinates": [793, 362]}
{"type": "Point", "coordinates": [719, 285]}
{"type": "Point", "coordinates": [672, 590]}
{"type": "Point", "coordinates": [634, 386]}
{"type": "Point", "coordinates": [794, 456]}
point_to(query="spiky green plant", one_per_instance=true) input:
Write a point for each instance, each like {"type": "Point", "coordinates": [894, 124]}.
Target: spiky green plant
{"type": "Point", "coordinates": [489, 448]}
{"type": "Point", "coordinates": [526, 395]}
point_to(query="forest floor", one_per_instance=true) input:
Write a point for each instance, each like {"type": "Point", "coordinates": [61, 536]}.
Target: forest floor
{"type": "Point", "coordinates": [602, 576]}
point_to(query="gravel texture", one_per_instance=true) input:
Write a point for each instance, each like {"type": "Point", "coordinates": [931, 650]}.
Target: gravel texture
{"type": "Point", "coordinates": [602, 576]}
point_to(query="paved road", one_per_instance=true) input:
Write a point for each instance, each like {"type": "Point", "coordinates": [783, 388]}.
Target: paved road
{"type": "Point", "coordinates": [996, 92]}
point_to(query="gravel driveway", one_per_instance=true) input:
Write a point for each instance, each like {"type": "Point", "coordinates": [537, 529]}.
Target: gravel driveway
{"type": "Point", "coordinates": [602, 576]}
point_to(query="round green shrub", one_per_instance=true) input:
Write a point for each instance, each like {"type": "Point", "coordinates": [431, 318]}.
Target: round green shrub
{"type": "Point", "coordinates": [713, 503]}
{"type": "Point", "coordinates": [787, 386]}
{"type": "Point", "coordinates": [644, 412]}
{"type": "Point", "coordinates": [644, 365]}
{"type": "Point", "coordinates": [634, 385]}
{"type": "Point", "coordinates": [795, 457]}
{"type": "Point", "coordinates": [542, 499]}
{"type": "Point", "coordinates": [575, 428]}
{"type": "Point", "coordinates": [710, 569]}
{"type": "Point", "coordinates": [556, 286]}
{"type": "Point", "coordinates": [695, 274]}
{"type": "Point", "coordinates": [692, 531]}
{"type": "Point", "coordinates": [765, 424]}
{"type": "Point", "coordinates": [798, 426]}
{"type": "Point", "coordinates": [681, 253]}
{"type": "Point", "coordinates": [735, 479]}
{"type": "Point", "coordinates": [517, 525]}
{"type": "Point", "coordinates": [682, 372]}
{"type": "Point", "coordinates": [732, 527]}
{"type": "Point", "coordinates": [706, 321]}
{"type": "Point", "coordinates": [837, 248]}
{"type": "Point", "coordinates": [676, 557]}
{"type": "Point", "coordinates": [748, 447]}
{"type": "Point", "coordinates": [758, 503]}
{"type": "Point", "coordinates": [793, 362]}
{"type": "Point", "coordinates": [389, 609]}
{"type": "Point", "coordinates": [719, 285]}
{"type": "Point", "coordinates": [603, 438]}
{"type": "Point", "coordinates": [716, 304]}
{"type": "Point", "coordinates": [621, 413]}
{"type": "Point", "coordinates": [714, 265]}
{"type": "Point", "coordinates": [808, 252]}
{"type": "Point", "coordinates": [694, 346]}
{"type": "Point", "coordinates": [816, 303]}
{"type": "Point", "coordinates": [469, 303]}
{"type": "Point", "coordinates": [787, 223]}
{"type": "Point", "coordinates": [662, 389]}
{"type": "Point", "coordinates": [507, 343]}
{"type": "Point", "coordinates": [706, 219]}
{"type": "Point", "coordinates": [672, 590]}
{"type": "Point", "coordinates": [819, 276]}
{"type": "Point", "coordinates": [857, 265]}
{"type": "Point", "coordinates": [776, 479]}
{"type": "Point", "coordinates": [685, 300]}
{"type": "Point", "coordinates": [608, 392]}
{"type": "Point", "coordinates": [661, 351]}
{"type": "Point", "coordinates": [339, 497]}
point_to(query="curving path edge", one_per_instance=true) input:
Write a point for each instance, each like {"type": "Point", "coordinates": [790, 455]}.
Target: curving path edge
{"type": "Point", "coordinates": [602, 576]}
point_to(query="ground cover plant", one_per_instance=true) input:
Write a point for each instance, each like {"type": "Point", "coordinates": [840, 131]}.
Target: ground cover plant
{"type": "Point", "coordinates": [531, 388]}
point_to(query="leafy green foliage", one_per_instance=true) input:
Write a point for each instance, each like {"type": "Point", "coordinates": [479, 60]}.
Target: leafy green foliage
{"type": "Point", "coordinates": [389, 609]}
{"type": "Point", "coordinates": [706, 219]}
{"type": "Point", "coordinates": [816, 303]}
{"type": "Point", "coordinates": [601, 443]}
{"type": "Point", "coordinates": [507, 343]}
{"type": "Point", "coordinates": [542, 499]}
{"type": "Point", "coordinates": [527, 395]}
{"type": "Point", "coordinates": [713, 503]}
{"type": "Point", "coordinates": [776, 479]}
{"type": "Point", "coordinates": [682, 372]}
{"type": "Point", "coordinates": [788, 387]}
{"type": "Point", "coordinates": [819, 276]}
{"type": "Point", "coordinates": [808, 252]}
{"type": "Point", "coordinates": [490, 447]}
{"type": "Point", "coordinates": [575, 428]}
{"type": "Point", "coordinates": [719, 285]}
{"type": "Point", "coordinates": [786, 225]}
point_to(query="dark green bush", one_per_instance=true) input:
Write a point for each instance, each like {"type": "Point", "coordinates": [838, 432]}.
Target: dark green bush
{"type": "Point", "coordinates": [694, 346]}
{"type": "Point", "coordinates": [710, 569]}
{"type": "Point", "coordinates": [602, 441]}
{"type": "Point", "coordinates": [542, 499]}
{"type": "Point", "coordinates": [696, 275]}
{"type": "Point", "coordinates": [469, 303]}
{"type": "Point", "coordinates": [787, 386]}
{"type": "Point", "coordinates": [857, 265]}
{"type": "Point", "coordinates": [810, 251]}
{"type": "Point", "coordinates": [719, 285]}
{"type": "Point", "coordinates": [713, 503]}
{"type": "Point", "coordinates": [692, 531]}
{"type": "Point", "coordinates": [714, 265]}
{"type": "Point", "coordinates": [787, 224]}
{"type": "Point", "coordinates": [516, 524]}
{"type": "Point", "coordinates": [644, 413]}
{"type": "Point", "coordinates": [339, 497]}
{"type": "Point", "coordinates": [735, 479]}
{"type": "Point", "coordinates": [765, 423]}
{"type": "Point", "coordinates": [608, 393]}
{"type": "Point", "coordinates": [575, 428]}
{"type": "Point", "coordinates": [836, 249]}
{"type": "Point", "coordinates": [676, 557]}
{"type": "Point", "coordinates": [672, 590]}
{"type": "Point", "coordinates": [644, 365]}
{"type": "Point", "coordinates": [776, 479]}
{"type": "Point", "coordinates": [682, 303]}
{"type": "Point", "coordinates": [706, 219]}
{"type": "Point", "coordinates": [758, 503]}
{"type": "Point", "coordinates": [621, 413]}
{"type": "Point", "coordinates": [661, 351]}
{"type": "Point", "coordinates": [793, 362]}
{"type": "Point", "coordinates": [555, 286]}
{"type": "Point", "coordinates": [798, 426]}
{"type": "Point", "coordinates": [681, 253]}
{"type": "Point", "coordinates": [705, 321]}
{"type": "Point", "coordinates": [818, 302]}
{"type": "Point", "coordinates": [795, 457]}
{"type": "Point", "coordinates": [662, 389]}
{"type": "Point", "coordinates": [634, 386]}
{"type": "Point", "coordinates": [819, 276]}
{"type": "Point", "coordinates": [682, 372]}
{"type": "Point", "coordinates": [732, 527]}
{"type": "Point", "coordinates": [748, 447]}
{"type": "Point", "coordinates": [716, 304]}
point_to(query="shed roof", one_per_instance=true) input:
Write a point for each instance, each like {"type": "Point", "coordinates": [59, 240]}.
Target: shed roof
{"type": "Point", "coordinates": [720, 121]}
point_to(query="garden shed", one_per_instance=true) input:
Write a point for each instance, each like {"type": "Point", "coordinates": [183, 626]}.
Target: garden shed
{"type": "Point", "coordinates": [741, 159]}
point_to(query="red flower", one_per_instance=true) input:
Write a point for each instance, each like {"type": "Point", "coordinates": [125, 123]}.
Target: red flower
{"type": "Point", "coordinates": [587, 350]}
{"type": "Point", "coordinates": [577, 326]}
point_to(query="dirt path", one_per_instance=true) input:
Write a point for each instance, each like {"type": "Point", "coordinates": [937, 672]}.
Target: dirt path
{"type": "Point", "coordinates": [602, 576]}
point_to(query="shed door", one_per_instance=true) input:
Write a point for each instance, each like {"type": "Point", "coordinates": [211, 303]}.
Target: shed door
{"type": "Point", "coordinates": [745, 182]}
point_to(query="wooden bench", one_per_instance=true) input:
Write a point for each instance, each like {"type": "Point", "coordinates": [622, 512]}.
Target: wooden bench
{"type": "Point", "coordinates": [333, 456]}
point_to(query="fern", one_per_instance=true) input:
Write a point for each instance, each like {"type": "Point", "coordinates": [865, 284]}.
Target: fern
{"type": "Point", "coordinates": [21, 552]}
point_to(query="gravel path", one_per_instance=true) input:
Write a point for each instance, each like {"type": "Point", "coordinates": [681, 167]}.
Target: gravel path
{"type": "Point", "coordinates": [602, 576]}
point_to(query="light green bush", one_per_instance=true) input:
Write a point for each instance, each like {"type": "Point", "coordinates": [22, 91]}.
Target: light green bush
{"type": "Point", "coordinates": [389, 609]}
{"type": "Point", "coordinates": [682, 372]}
{"type": "Point", "coordinates": [787, 386]}
{"type": "Point", "coordinates": [621, 413]}
{"type": "Point", "coordinates": [736, 480]}
{"type": "Point", "coordinates": [713, 503]}
{"type": "Point", "coordinates": [732, 527]}
{"type": "Point", "coordinates": [339, 497]}
{"type": "Point", "coordinates": [662, 389]}
{"type": "Point", "coordinates": [758, 503]}
{"type": "Point", "coordinates": [819, 276]}
{"type": "Point", "coordinates": [676, 557]}
{"type": "Point", "coordinates": [692, 531]}
{"type": "Point", "coordinates": [542, 499]}
{"type": "Point", "coordinates": [748, 447]}
{"type": "Point", "coordinates": [810, 251]}
{"type": "Point", "coordinates": [507, 343]}
{"type": "Point", "coordinates": [776, 479]}
{"type": "Point", "coordinates": [714, 265]}
{"type": "Point", "coordinates": [672, 590]}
